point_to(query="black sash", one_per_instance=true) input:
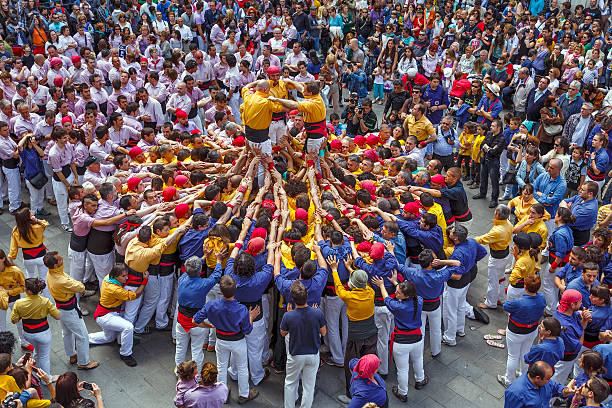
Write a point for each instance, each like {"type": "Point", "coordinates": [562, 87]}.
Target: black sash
{"type": "Point", "coordinates": [11, 163]}
{"type": "Point", "coordinates": [66, 170]}
{"type": "Point", "coordinates": [100, 242]}
{"type": "Point", "coordinates": [78, 243]}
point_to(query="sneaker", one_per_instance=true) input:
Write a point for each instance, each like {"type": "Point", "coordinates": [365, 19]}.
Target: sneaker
{"type": "Point", "coordinates": [492, 204]}
{"type": "Point", "coordinates": [144, 332]}
{"type": "Point", "coordinates": [253, 393]}
{"type": "Point", "coordinates": [420, 384]}
{"type": "Point", "coordinates": [505, 198]}
{"type": "Point", "coordinates": [211, 348]}
{"type": "Point", "coordinates": [85, 312]}
{"type": "Point", "coordinates": [330, 362]}
{"type": "Point", "coordinates": [448, 342]}
{"type": "Point", "coordinates": [129, 361]}
{"type": "Point", "coordinates": [42, 213]}
{"type": "Point", "coordinates": [503, 380]}
{"type": "Point", "coordinates": [88, 293]}
{"type": "Point", "coordinates": [344, 399]}
{"type": "Point", "coordinates": [66, 228]}
{"type": "Point", "coordinates": [461, 334]}
{"type": "Point", "coordinates": [480, 315]}
{"type": "Point", "coordinates": [324, 349]}
{"type": "Point", "coordinates": [401, 397]}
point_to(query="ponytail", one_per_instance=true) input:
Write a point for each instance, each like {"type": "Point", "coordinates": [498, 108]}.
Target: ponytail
{"type": "Point", "coordinates": [35, 285]}
{"type": "Point", "coordinates": [566, 215]}
{"type": "Point", "coordinates": [409, 290]}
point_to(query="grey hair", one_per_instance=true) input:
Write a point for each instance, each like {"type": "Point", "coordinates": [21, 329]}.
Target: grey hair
{"type": "Point", "coordinates": [406, 175]}
{"type": "Point", "coordinates": [230, 126]}
{"type": "Point", "coordinates": [576, 84]}
{"type": "Point", "coordinates": [193, 266]}
{"type": "Point", "coordinates": [502, 211]}
{"type": "Point", "coordinates": [424, 174]}
{"type": "Point", "coordinates": [113, 180]}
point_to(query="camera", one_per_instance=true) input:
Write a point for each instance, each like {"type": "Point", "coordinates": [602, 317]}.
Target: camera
{"type": "Point", "coordinates": [359, 110]}
{"type": "Point", "coordinates": [11, 400]}
{"type": "Point", "coordinates": [87, 386]}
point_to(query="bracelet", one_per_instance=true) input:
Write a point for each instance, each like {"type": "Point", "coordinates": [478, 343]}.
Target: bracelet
{"type": "Point", "coordinates": [329, 217]}
{"type": "Point", "coordinates": [230, 205]}
{"type": "Point", "coordinates": [351, 239]}
{"type": "Point", "coordinates": [342, 185]}
{"type": "Point", "coordinates": [242, 189]}
{"type": "Point", "coordinates": [238, 245]}
{"type": "Point", "coordinates": [310, 163]}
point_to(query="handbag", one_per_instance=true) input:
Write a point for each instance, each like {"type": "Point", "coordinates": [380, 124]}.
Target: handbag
{"type": "Point", "coordinates": [39, 180]}
{"type": "Point", "coordinates": [510, 176]}
{"type": "Point", "coordinates": [553, 130]}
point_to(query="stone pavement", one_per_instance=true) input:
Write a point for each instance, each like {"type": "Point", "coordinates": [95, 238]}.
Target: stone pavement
{"type": "Point", "coordinates": [461, 377]}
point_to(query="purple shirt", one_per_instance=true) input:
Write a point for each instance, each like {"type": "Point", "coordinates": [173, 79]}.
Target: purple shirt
{"type": "Point", "coordinates": [81, 152]}
{"type": "Point", "coordinates": [81, 222]}
{"type": "Point", "coordinates": [106, 210]}
{"type": "Point", "coordinates": [59, 157]}
{"type": "Point", "coordinates": [206, 396]}
{"type": "Point", "coordinates": [7, 148]}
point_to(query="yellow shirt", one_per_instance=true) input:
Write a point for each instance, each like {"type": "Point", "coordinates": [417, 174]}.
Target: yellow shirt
{"type": "Point", "coordinates": [421, 128]}
{"type": "Point", "coordinates": [499, 237]}
{"type": "Point", "coordinates": [36, 236]}
{"type": "Point", "coordinates": [476, 148]}
{"type": "Point", "coordinates": [258, 109]}
{"type": "Point", "coordinates": [524, 265]}
{"type": "Point", "coordinates": [113, 295]}
{"type": "Point", "coordinates": [436, 210]}
{"type": "Point", "coordinates": [465, 139]}
{"type": "Point", "coordinates": [33, 307]}
{"type": "Point", "coordinates": [280, 90]}
{"type": "Point", "coordinates": [13, 280]}
{"type": "Point", "coordinates": [139, 255]}
{"type": "Point", "coordinates": [359, 302]}
{"type": "Point", "coordinates": [522, 207]}
{"type": "Point", "coordinates": [172, 248]}
{"type": "Point", "coordinates": [539, 227]}
{"type": "Point", "coordinates": [8, 384]}
{"type": "Point", "coordinates": [216, 244]}
{"type": "Point", "coordinates": [61, 286]}
{"type": "Point", "coordinates": [313, 108]}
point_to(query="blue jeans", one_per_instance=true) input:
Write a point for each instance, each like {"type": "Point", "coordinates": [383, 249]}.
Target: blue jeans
{"type": "Point", "coordinates": [378, 91]}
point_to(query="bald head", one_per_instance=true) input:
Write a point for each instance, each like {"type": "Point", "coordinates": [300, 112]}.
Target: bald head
{"type": "Point", "coordinates": [263, 86]}
{"type": "Point", "coordinates": [554, 167]}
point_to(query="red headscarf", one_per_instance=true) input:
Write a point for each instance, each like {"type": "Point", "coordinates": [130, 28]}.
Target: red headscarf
{"type": "Point", "coordinates": [569, 296]}
{"type": "Point", "coordinates": [367, 365]}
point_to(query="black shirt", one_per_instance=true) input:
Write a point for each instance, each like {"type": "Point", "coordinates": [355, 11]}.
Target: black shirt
{"type": "Point", "coordinates": [300, 21]}
{"type": "Point", "coordinates": [395, 101]}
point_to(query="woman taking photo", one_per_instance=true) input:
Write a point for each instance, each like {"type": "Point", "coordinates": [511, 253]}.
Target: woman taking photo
{"type": "Point", "coordinates": [208, 389]}
{"type": "Point", "coordinates": [31, 156]}
{"type": "Point", "coordinates": [525, 314]}
{"type": "Point", "coordinates": [28, 235]}
{"type": "Point", "coordinates": [559, 151]}
{"type": "Point", "coordinates": [68, 388]}
{"type": "Point", "coordinates": [13, 281]}
{"type": "Point", "coordinates": [573, 320]}
{"type": "Point", "coordinates": [407, 338]}
{"type": "Point", "coordinates": [33, 311]}
{"type": "Point", "coordinates": [530, 168]}
{"type": "Point", "coordinates": [552, 124]}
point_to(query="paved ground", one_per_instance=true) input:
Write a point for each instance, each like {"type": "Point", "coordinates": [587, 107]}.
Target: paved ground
{"type": "Point", "coordinates": [463, 376]}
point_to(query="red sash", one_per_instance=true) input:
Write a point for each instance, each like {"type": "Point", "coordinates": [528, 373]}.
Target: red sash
{"type": "Point", "coordinates": [101, 310]}
{"type": "Point", "coordinates": [185, 322]}
{"type": "Point", "coordinates": [397, 331]}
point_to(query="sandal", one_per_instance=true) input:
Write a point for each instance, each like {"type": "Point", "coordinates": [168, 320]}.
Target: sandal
{"type": "Point", "coordinates": [501, 332]}
{"type": "Point", "coordinates": [492, 337]}
{"type": "Point", "coordinates": [497, 344]}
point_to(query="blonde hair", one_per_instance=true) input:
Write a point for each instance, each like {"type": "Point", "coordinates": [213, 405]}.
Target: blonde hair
{"type": "Point", "coordinates": [209, 374]}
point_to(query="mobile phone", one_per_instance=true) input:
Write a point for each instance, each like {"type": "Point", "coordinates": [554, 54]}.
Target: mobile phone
{"type": "Point", "coordinates": [26, 357]}
{"type": "Point", "coordinates": [87, 386]}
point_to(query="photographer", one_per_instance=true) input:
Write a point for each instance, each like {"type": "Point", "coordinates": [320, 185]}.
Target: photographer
{"type": "Point", "coordinates": [352, 129]}
{"type": "Point", "coordinates": [356, 80]}
{"type": "Point", "coordinates": [365, 117]}
{"type": "Point", "coordinates": [31, 154]}
{"type": "Point", "coordinates": [68, 388]}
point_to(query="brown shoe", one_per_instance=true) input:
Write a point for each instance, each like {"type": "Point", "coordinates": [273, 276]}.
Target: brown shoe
{"type": "Point", "coordinates": [90, 366]}
{"type": "Point", "coordinates": [253, 393]}
{"type": "Point", "coordinates": [211, 348]}
{"type": "Point", "coordinates": [483, 306]}
{"type": "Point", "coordinates": [73, 359]}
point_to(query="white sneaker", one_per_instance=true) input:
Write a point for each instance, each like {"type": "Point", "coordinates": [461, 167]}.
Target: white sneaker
{"type": "Point", "coordinates": [503, 380]}
{"type": "Point", "coordinates": [343, 399]}
{"type": "Point", "coordinates": [448, 342]}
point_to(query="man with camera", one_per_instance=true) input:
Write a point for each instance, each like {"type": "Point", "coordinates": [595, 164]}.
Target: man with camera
{"type": "Point", "coordinates": [352, 129]}
{"type": "Point", "coordinates": [356, 80]}
{"type": "Point", "coordinates": [365, 119]}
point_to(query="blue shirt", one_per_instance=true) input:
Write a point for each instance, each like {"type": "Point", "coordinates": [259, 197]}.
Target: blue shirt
{"type": "Point", "coordinates": [601, 161]}
{"type": "Point", "coordinates": [571, 336]}
{"type": "Point", "coordinates": [191, 243]}
{"type": "Point", "coordinates": [429, 282]}
{"type": "Point", "coordinates": [606, 352]}
{"type": "Point", "coordinates": [585, 291]}
{"type": "Point", "coordinates": [600, 316]}
{"type": "Point", "coordinates": [468, 253]}
{"type": "Point", "coordinates": [549, 351]}
{"type": "Point", "coordinates": [226, 315]}
{"type": "Point", "coordinates": [314, 286]}
{"type": "Point", "coordinates": [382, 268]}
{"type": "Point", "coordinates": [249, 289]}
{"type": "Point", "coordinates": [585, 211]}
{"type": "Point", "coordinates": [406, 316]}
{"type": "Point", "coordinates": [552, 192]}
{"type": "Point", "coordinates": [363, 390]}
{"type": "Point", "coordinates": [493, 107]}
{"type": "Point", "coordinates": [31, 161]}
{"type": "Point", "coordinates": [597, 129]}
{"type": "Point", "coordinates": [435, 97]}
{"type": "Point", "coordinates": [561, 241]}
{"type": "Point", "coordinates": [192, 291]}
{"type": "Point", "coordinates": [429, 239]}
{"type": "Point", "coordinates": [569, 273]}
{"type": "Point", "coordinates": [526, 309]}
{"type": "Point", "coordinates": [400, 246]}
{"type": "Point", "coordinates": [303, 325]}
{"type": "Point", "coordinates": [522, 393]}
{"type": "Point", "coordinates": [341, 252]}
{"type": "Point", "coordinates": [441, 146]}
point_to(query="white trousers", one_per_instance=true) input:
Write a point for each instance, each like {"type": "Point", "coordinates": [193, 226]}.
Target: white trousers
{"type": "Point", "coordinates": [453, 311]}
{"type": "Point", "coordinates": [304, 366]}
{"type": "Point", "coordinates": [277, 129]}
{"type": "Point", "coordinates": [75, 335]}
{"type": "Point", "coordinates": [13, 179]}
{"type": "Point", "coordinates": [42, 348]}
{"type": "Point", "coordinates": [255, 342]}
{"type": "Point", "coordinates": [114, 327]}
{"type": "Point", "coordinates": [237, 350]}
{"type": "Point", "coordinates": [514, 293]}
{"type": "Point", "coordinates": [383, 318]}
{"type": "Point", "coordinates": [130, 312]}
{"type": "Point", "coordinates": [337, 327]}
{"type": "Point", "coordinates": [102, 264]}
{"type": "Point", "coordinates": [61, 196]}
{"type": "Point", "coordinates": [403, 354]}
{"type": "Point", "coordinates": [435, 329]}
{"type": "Point", "coordinates": [155, 300]}
{"type": "Point", "coordinates": [198, 336]}
{"type": "Point", "coordinates": [562, 370]}
{"type": "Point", "coordinates": [48, 188]}
{"type": "Point", "coordinates": [466, 224]}
{"type": "Point", "coordinates": [265, 308]}
{"type": "Point", "coordinates": [518, 345]}
{"type": "Point", "coordinates": [549, 289]}
{"type": "Point", "coordinates": [37, 197]}
{"type": "Point", "coordinates": [234, 105]}
{"type": "Point", "coordinates": [19, 324]}
{"type": "Point", "coordinates": [266, 149]}
{"type": "Point", "coordinates": [35, 268]}
{"type": "Point", "coordinates": [497, 277]}
{"type": "Point", "coordinates": [80, 266]}
{"type": "Point", "coordinates": [214, 293]}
